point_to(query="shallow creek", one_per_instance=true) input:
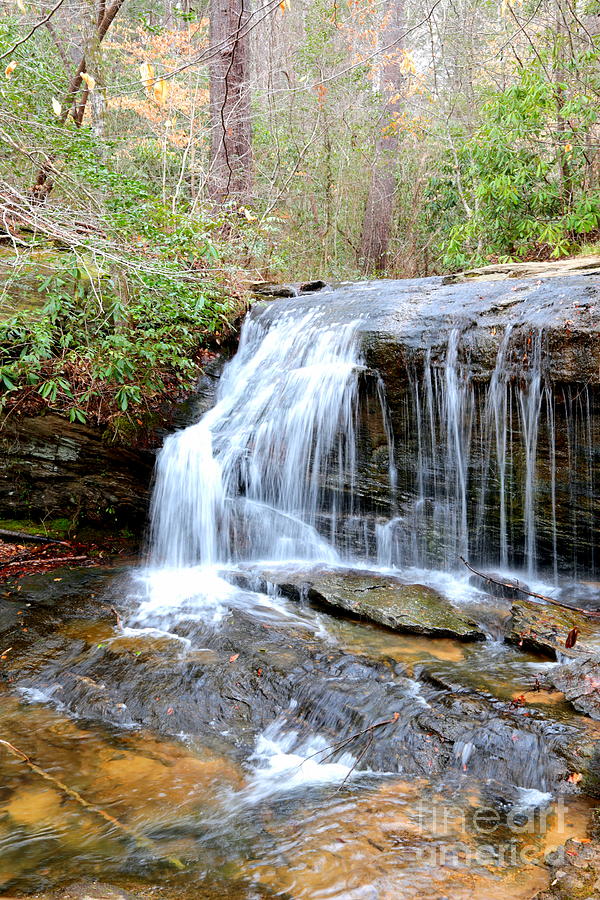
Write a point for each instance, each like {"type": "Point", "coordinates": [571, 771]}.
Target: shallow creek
{"type": "Point", "coordinates": [236, 810]}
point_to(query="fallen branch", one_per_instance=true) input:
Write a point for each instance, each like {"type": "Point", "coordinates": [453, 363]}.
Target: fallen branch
{"type": "Point", "coordinates": [511, 585]}
{"type": "Point", "coordinates": [335, 748]}
{"type": "Point", "coordinates": [140, 839]}
{"type": "Point", "coordinates": [42, 562]}
{"type": "Point", "coordinates": [23, 537]}
{"type": "Point", "coordinates": [363, 752]}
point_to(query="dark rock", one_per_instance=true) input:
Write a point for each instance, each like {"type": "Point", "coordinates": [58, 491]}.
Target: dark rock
{"type": "Point", "coordinates": [52, 468]}
{"type": "Point", "coordinates": [274, 290]}
{"type": "Point", "coordinates": [543, 628]}
{"type": "Point", "coordinates": [580, 683]}
{"type": "Point", "coordinates": [310, 287]}
{"type": "Point", "coordinates": [499, 586]}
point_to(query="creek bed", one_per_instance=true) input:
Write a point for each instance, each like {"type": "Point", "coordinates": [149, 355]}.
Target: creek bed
{"type": "Point", "coordinates": [220, 781]}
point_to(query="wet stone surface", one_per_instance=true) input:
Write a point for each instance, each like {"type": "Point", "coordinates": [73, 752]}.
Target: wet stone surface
{"type": "Point", "coordinates": [383, 599]}
{"type": "Point", "coordinates": [235, 680]}
{"type": "Point", "coordinates": [574, 873]}
{"type": "Point", "coordinates": [544, 627]}
{"type": "Point", "coordinates": [580, 683]}
{"type": "Point", "coordinates": [135, 694]}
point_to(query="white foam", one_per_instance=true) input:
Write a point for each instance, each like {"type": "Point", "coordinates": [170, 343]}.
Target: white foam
{"type": "Point", "coordinates": [283, 763]}
{"type": "Point", "coordinates": [168, 596]}
{"type": "Point", "coordinates": [531, 797]}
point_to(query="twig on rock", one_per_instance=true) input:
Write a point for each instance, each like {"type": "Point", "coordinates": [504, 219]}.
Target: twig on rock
{"type": "Point", "coordinates": [515, 587]}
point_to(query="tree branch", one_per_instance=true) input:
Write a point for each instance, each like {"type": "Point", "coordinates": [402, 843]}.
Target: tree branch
{"type": "Point", "coordinates": [33, 29]}
{"type": "Point", "coordinates": [59, 45]}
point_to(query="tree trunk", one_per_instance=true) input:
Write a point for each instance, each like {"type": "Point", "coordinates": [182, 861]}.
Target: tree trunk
{"type": "Point", "coordinates": [378, 221]}
{"type": "Point", "coordinates": [106, 15]}
{"type": "Point", "coordinates": [230, 172]}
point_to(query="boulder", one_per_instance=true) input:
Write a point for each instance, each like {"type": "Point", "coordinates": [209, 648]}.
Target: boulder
{"type": "Point", "coordinates": [413, 608]}
{"type": "Point", "coordinates": [310, 287]}
{"type": "Point", "coordinates": [543, 628]}
{"type": "Point", "coordinates": [580, 683]}
{"type": "Point", "coordinates": [382, 599]}
{"type": "Point", "coordinates": [264, 289]}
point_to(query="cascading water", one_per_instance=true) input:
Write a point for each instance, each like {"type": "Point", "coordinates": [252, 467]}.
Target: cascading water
{"type": "Point", "coordinates": [487, 482]}
{"type": "Point", "coordinates": [269, 471]}
{"type": "Point", "coordinates": [275, 470]}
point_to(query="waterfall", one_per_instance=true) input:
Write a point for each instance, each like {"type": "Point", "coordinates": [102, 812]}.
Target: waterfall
{"type": "Point", "coordinates": [269, 471]}
{"type": "Point", "coordinates": [530, 401]}
{"type": "Point", "coordinates": [299, 460]}
{"type": "Point", "coordinates": [497, 462]}
{"type": "Point", "coordinates": [497, 418]}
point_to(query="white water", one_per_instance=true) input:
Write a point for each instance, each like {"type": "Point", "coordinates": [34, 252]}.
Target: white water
{"type": "Point", "coordinates": [283, 763]}
{"type": "Point", "coordinates": [271, 472]}
{"type": "Point", "coordinates": [263, 470]}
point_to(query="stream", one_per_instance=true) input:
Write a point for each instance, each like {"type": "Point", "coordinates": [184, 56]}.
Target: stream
{"type": "Point", "coordinates": [301, 692]}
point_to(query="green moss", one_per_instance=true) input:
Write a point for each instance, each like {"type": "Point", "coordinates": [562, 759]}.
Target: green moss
{"type": "Point", "coordinates": [21, 277]}
{"type": "Point", "coordinates": [55, 528]}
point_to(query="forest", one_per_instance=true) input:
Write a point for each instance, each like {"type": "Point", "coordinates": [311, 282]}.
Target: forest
{"type": "Point", "coordinates": [160, 158]}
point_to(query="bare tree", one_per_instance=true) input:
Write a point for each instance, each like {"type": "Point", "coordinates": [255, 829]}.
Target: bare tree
{"type": "Point", "coordinates": [377, 225]}
{"type": "Point", "coordinates": [230, 173]}
{"type": "Point", "coordinates": [74, 103]}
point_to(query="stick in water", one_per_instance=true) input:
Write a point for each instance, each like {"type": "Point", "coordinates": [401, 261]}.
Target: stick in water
{"type": "Point", "coordinates": [140, 839]}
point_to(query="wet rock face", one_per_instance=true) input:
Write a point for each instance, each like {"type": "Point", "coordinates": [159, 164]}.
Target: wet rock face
{"type": "Point", "coordinates": [544, 628]}
{"type": "Point", "coordinates": [52, 468]}
{"type": "Point", "coordinates": [580, 683]}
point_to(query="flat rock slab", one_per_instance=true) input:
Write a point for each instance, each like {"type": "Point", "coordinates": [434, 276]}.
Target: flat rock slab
{"type": "Point", "coordinates": [580, 683]}
{"type": "Point", "coordinates": [544, 629]}
{"type": "Point", "coordinates": [411, 608]}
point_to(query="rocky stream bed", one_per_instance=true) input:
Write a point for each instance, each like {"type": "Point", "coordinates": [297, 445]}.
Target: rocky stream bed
{"type": "Point", "coordinates": [205, 739]}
